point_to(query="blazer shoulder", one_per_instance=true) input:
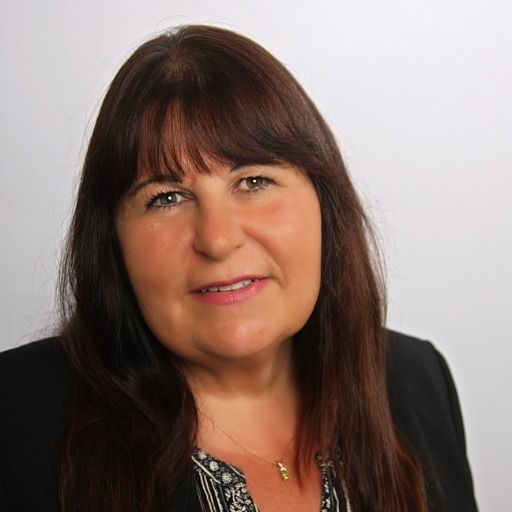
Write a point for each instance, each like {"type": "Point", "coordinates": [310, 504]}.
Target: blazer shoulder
{"type": "Point", "coordinates": [426, 410]}
{"type": "Point", "coordinates": [34, 379]}
{"type": "Point", "coordinates": [409, 353]}
{"type": "Point", "coordinates": [34, 353]}
{"type": "Point", "coordinates": [420, 381]}
{"type": "Point", "coordinates": [40, 363]}
{"type": "Point", "coordinates": [35, 388]}
{"type": "Point", "coordinates": [420, 384]}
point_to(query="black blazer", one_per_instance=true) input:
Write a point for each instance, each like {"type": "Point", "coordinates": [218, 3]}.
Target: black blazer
{"type": "Point", "coordinates": [35, 383]}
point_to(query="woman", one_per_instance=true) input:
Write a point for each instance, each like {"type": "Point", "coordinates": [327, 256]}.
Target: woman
{"type": "Point", "coordinates": [223, 344]}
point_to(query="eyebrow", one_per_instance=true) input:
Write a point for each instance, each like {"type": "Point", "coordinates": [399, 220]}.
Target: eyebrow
{"type": "Point", "coordinates": [172, 179]}
{"type": "Point", "coordinates": [149, 181]}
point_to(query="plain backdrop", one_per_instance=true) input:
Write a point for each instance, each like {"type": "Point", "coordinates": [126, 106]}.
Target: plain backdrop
{"type": "Point", "coordinates": [419, 95]}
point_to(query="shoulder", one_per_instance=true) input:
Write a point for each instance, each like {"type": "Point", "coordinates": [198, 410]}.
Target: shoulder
{"type": "Point", "coordinates": [33, 376]}
{"type": "Point", "coordinates": [40, 358]}
{"type": "Point", "coordinates": [35, 386]}
{"type": "Point", "coordinates": [426, 412]}
{"type": "Point", "coordinates": [416, 369]}
{"type": "Point", "coordinates": [420, 385]}
{"type": "Point", "coordinates": [407, 354]}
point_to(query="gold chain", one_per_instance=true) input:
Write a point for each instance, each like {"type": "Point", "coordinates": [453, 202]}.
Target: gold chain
{"type": "Point", "coordinates": [283, 470]}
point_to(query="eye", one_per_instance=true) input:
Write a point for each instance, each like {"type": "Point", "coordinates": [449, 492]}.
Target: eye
{"type": "Point", "coordinates": [254, 183]}
{"type": "Point", "coordinates": [168, 199]}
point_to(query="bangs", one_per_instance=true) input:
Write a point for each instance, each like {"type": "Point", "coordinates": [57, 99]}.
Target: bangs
{"type": "Point", "coordinates": [230, 118]}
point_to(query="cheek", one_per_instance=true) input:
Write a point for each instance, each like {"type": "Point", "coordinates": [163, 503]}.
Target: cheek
{"type": "Point", "coordinates": [149, 251]}
{"type": "Point", "coordinates": [293, 228]}
{"type": "Point", "coordinates": [299, 224]}
{"type": "Point", "coordinates": [297, 248]}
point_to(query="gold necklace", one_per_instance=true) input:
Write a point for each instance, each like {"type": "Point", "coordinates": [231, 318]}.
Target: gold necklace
{"type": "Point", "coordinates": [283, 470]}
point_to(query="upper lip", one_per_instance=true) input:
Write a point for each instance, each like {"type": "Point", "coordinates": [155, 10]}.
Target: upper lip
{"type": "Point", "coordinates": [227, 282]}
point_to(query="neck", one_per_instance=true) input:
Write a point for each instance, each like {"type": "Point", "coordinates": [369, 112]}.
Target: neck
{"type": "Point", "coordinates": [247, 399]}
{"type": "Point", "coordinates": [248, 381]}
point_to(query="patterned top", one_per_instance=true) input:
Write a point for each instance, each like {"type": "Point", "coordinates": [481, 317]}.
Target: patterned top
{"type": "Point", "coordinates": [222, 487]}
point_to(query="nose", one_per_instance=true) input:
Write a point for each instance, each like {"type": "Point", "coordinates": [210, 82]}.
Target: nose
{"type": "Point", "coordinates": [218, 231]}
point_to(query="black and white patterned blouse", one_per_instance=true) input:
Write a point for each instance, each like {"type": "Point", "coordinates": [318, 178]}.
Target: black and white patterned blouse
{"type": "Point", "coordinates": [222, 487]}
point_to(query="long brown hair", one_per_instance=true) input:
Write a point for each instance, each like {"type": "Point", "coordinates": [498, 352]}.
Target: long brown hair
{"type": "Point", "coordinates": [192, 93]}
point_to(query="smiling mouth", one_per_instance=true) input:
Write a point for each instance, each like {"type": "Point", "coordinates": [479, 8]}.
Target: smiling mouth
{"type": "Point", "coordinates": [229, 287]}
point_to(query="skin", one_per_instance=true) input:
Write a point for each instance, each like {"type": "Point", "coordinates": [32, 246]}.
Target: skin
{"type": "Point", "coordinates": [178, 237]}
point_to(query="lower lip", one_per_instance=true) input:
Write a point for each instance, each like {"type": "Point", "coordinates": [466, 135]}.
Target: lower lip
{"type": "Point", "coordinates": [234, 296]}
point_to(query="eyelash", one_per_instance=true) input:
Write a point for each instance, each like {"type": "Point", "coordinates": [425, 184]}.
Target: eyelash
{"type": "Point", "coordinates": [151, 203]}
{"type": "Point", "coordinates": [265, 184]}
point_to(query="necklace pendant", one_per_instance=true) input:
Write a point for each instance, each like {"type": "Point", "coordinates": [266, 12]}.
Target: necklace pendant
{"type": "Point", "coordinates": [285, 474]}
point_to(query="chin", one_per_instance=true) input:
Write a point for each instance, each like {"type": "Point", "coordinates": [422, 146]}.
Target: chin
{"type": "Point", "coordinates": [242, 342]}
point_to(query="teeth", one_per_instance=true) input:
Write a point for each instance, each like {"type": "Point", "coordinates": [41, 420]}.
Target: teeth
{"type": "Point", "coordinates": [229, 287]}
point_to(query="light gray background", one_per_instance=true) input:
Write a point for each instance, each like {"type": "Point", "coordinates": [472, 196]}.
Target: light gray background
{"type": "Point", "coordinates": [419, 93]}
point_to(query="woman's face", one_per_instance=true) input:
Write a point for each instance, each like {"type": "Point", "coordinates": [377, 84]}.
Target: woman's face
{"type": "Point", "coordinates": [224, 265]}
